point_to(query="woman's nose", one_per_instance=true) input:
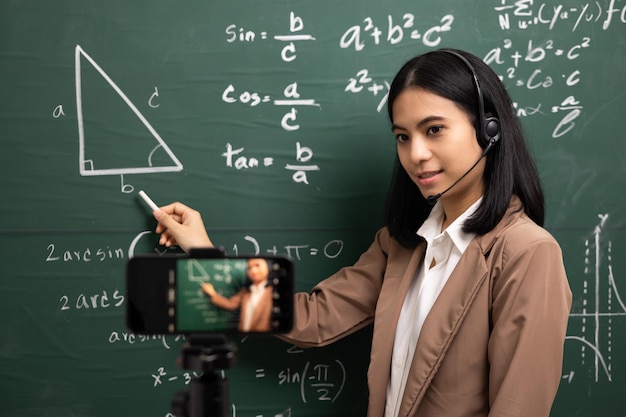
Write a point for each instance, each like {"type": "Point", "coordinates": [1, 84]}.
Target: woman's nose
{"type": "Point", "coordinates": [419, 150]}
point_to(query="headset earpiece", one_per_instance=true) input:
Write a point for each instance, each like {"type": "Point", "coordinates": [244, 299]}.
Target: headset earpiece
{"type": "Point", "coordinates": [491, 130]}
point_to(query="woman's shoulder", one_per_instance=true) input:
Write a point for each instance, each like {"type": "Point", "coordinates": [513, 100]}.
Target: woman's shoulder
{"type": "Point", "coordinates": [519, 232]}
{"type": "Point", "coordinates": [389, 244]}
{"type": "Point", "coordinates": [516, 231]}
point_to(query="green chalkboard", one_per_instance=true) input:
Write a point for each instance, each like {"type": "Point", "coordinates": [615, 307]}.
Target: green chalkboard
{"type": "Point", "coordinates": [194, 310]}
{"type": "Point", "coordinates": [268, 117]}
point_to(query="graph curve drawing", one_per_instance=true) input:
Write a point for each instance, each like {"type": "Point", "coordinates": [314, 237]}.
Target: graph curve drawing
{"type": "Point", "coordinates": [602, 302]}
{"type": "Point", "coordinates": [86, 166]}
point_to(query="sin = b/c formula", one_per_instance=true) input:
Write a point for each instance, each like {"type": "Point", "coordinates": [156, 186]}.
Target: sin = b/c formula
{"type": "Point", "coordinates": [288, 53]}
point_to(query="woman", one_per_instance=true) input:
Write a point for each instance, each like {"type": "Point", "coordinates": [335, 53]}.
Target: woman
{"type": "Point", "coordinates": [467, 292]}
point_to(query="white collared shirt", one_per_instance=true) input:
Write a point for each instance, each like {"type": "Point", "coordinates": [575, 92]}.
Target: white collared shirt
{"type": "Point", "coordinates": [445, 249]}
{"type": "Point", "coordinates": [256, 293]}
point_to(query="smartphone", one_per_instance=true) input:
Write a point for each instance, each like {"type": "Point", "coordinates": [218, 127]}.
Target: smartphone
{"type": "Point", "coordinates": [172, 294]}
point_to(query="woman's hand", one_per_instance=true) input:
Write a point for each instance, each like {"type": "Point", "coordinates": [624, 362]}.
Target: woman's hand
{"type": "Point", "coordinates": [181, 225]}
{"type": "Point", "coordinates": [208, 289]}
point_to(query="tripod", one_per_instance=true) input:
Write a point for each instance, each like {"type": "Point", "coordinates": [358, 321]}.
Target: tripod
{"type": "Point", "coordinates": [208, 395]}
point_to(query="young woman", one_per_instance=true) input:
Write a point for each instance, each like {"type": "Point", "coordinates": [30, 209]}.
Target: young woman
{"type": "Point", "coordinates": [466, 291]}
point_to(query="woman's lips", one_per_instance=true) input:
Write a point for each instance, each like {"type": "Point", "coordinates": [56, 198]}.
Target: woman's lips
{"type": "Point", "coordinates": [427, 178]}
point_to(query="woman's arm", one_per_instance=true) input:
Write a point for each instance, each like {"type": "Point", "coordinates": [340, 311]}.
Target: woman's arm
{"type": "Point", "coordinates": [220, 301]}
{"type": "Point", "coordinates": [531, 304]}
{"type": "Point", "coordinates": [343, 303]}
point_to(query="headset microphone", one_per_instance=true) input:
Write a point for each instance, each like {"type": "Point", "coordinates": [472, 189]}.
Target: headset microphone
{"type": "Point", "coordinates": [433, 198]}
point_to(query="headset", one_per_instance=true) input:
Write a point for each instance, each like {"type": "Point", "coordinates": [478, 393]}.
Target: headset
{"type": "Point", "coordinates": [488, 125]}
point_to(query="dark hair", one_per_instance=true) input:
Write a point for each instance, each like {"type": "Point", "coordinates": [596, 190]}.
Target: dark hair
{"type": "Point", "coordinates": [509, 168]}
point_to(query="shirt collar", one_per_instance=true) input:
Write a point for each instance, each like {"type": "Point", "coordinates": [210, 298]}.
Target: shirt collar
{"type": "Point", "coordinates": [431, 228]}
{"type": "Point", "coordinates": [260, 286]}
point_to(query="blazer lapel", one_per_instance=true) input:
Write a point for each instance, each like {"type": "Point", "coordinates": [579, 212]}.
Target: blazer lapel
{"type": "Point", "coordinates": [442, 323]}
{"type": "Point", "coordinates": [397, 281]}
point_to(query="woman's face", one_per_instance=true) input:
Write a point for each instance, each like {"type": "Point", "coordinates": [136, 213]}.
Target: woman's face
{"type": "Point", "coordinates": [437, 144]}
{"type": "Point", "coordinates": [258, 270]}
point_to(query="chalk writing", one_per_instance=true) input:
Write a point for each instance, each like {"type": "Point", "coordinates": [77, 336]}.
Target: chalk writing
{"type": "Point", "coordinates": [363, 82]}
{"type": "Point", "coordinates": [291, 98]}
{"type": "Point", "coordinates": [161, 377]}
{"type": "Point", "coordinates": [131, 338]}
{"type": "Point", "coordinates": [573, 109]}
{"type": "Point", "coordinates": [395, 31]}
{"type": "Point", "coordinates": [526, 16]}
{"type": "Point", "coordinates": [593, 310]}
{"type": "Point", "coordinates": [92, 301]}
{"type": "Point", "coordinates": [58, 111]}
{"type": "Point", "coordinates": [535, 78]}
{"type": "Point", "coordinates": [319, 378]}
{"type": "Point", "coordinates": [331, 249]}
{"type": "Point", "coordinates": [152, 101]}
{"type": "Point", "coordinates": [234, 159]}
{"type": "Point", "coordinates": [534, 53]}
{"type": "Point", "coordinates": [96, 254]}
{"type": "Point", "coordinates": [238, 34]}
{"type": "Point", "coordinates": [87, 166]}
{"type": "Point", "coordinates": [304, 154]}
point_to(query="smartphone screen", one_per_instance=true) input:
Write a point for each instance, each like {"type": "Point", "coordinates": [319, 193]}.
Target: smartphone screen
{"type": "Point", "coordinates": [180, 295]}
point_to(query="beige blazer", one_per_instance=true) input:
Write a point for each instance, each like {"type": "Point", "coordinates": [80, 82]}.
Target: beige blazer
{"type": "Point", "coordinates": [261, 317]}
{"type": "Point", "coordinates": [492, 344]}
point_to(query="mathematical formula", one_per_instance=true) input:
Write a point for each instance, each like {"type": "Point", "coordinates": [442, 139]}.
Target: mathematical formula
{"type": "Point", "coordinates": [237, 34]}
{"type": "Point", "coordinates": [330, 250]}
{"type": "Point", "coordinates": [325, 381]}
{"type": "Point", "coordinates": [291, 98]}
{"type": "Point", "coordinates": [394, 32]}
{"type": "Point", "coordinates": [526, 15]}
{"type": "Point", "coordinates": [117, 337]}
{"type": "Point", "coordinates": [370, 32]}
{"type": "Point", "coordinates": [235, 159]}
{"type": "Point", "coordinates": [510, 58]}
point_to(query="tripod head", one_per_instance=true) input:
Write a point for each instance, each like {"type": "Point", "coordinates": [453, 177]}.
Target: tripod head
{"type": "Point", "coordinates": [208, 395]}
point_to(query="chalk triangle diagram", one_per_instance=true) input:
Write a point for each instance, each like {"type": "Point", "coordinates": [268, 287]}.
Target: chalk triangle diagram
{"type": "Point", "coordinates": [87, 166]}
{"type": "Point", "coordinates": [196, 272]}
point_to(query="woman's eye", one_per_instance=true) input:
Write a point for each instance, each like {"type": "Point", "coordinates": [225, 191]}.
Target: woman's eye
{"type": "Point", "coordinates": [400, 137]}
{"type": "Point", "coordinates": [434, 130]}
